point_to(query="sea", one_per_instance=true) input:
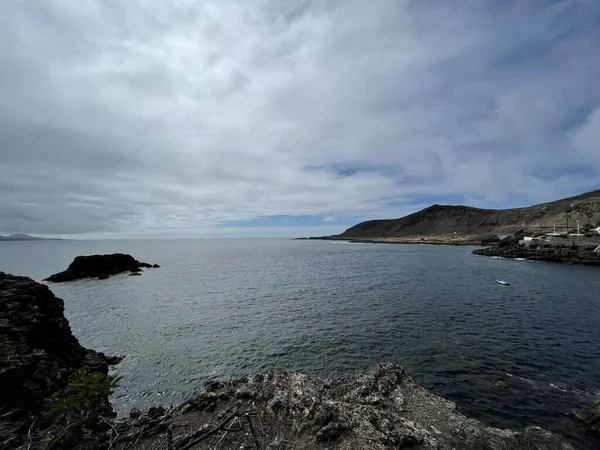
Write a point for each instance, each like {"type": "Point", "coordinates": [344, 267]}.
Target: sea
{"type": "Point", "coordinates": [528, 353]}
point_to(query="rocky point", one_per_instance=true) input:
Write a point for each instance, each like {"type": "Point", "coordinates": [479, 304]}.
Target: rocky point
{"type": "Point", "coordinates": [37, 354]}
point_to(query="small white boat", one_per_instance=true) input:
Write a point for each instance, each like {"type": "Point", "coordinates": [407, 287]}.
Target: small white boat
{"type": "Point", "coordinates": [502, 282]}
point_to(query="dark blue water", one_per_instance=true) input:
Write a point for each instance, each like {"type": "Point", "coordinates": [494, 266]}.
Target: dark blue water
{"type": "Point", "coordinates": [524, 354]}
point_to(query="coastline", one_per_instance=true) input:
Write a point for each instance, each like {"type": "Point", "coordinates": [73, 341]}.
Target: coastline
{"type": "Point", "coordinates": [413, 240]}
{"type": "Point", "coordinates": [572, 250]}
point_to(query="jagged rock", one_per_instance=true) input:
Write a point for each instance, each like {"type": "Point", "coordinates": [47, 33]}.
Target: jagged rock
{"type": "Point", "coordinates": [156, 411]}
{"type": "Point", "coordinates": [114, 360]}
{"type": "Point", "coordinates": [588, 420]}
{"type": "Point", "coordinates": [155, 266]}
{"type": "Point", "coordinates": [95, 362]}
{"type": "Point", "coordinates": [378, 410]}
{"type": "Point", "coordinates": [98, 266]}
{"type": "Point", "coordinates": [37, 351]}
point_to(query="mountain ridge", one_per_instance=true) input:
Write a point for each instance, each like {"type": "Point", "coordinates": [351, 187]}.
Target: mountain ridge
{"type": "Point", "coordinates": [467, 223]}
{"type": "Point", "coordinates": [25, 237]}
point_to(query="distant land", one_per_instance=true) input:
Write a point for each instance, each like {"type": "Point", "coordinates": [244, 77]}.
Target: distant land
{"type": "Point", "coordinates": [458, 224]}
{"type": "Point", "coordinates": [26, 237]}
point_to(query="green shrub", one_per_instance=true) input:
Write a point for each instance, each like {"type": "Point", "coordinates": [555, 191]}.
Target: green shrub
{"type": "Point", "coordinates": [81, 403]}
{"type": "Point", "coordinates": [6, 351]}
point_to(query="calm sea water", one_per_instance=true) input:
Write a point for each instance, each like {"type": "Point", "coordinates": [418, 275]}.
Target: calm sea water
{"type": "Point", "coordinates": [510, 356]}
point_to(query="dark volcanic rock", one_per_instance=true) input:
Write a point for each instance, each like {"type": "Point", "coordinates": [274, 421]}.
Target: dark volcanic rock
{"type": "Point", "coordinates": [37, 350]}
{"type": "Point", "coordinates": [98, 266]}
{"type": "Point", "coordinates": [114, 360]}
{"type": "Point", "coordinates": [569, 254]}
{"type": "Point", "coordinates": [588, 420]}
{"type": "Point", "coordinates": [379, 410]}
{"type": "Point", "coordinates": [155, 266]}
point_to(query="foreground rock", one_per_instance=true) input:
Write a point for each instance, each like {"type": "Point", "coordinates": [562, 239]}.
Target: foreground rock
{"type": "Point", "coordinates": [98, 266]}
{"type": "Point", "coordinates": [588, 420]}
{"type": "Point", "coordinates": [381, 409]}
{"type": "Point", "coordinates": [568, 252]}
{"type": "Point", "coordinates": [37, 354]}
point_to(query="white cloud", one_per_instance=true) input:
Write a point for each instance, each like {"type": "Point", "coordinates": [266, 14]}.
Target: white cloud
{"type": "Point", "coordinates": [150, 117]}
{"type": "Point", "coordinates": [586, 140]}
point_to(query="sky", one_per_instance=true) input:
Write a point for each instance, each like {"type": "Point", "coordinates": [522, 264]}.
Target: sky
{"type": "Point", "coordinates": [221, 118]}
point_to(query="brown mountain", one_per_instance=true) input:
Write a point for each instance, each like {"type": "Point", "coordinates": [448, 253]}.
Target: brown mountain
{"type": "Point", "coordinates": [448, 222]}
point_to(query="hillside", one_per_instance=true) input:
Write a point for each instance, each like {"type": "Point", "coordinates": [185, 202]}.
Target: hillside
{"type": "Point", "coordinates": [463, 222]}
{"type": "Point", "coordinates": [24, 237]}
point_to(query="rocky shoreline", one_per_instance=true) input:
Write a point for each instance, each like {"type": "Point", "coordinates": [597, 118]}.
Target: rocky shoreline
{"type": "Point", "coordinates": [565, 251]}
{"type": "Point", "coordinates": [382, 408]}
{"type": "Point", "coordinates": [573, 250]}
{"type": "Point", "coordinates": [427, 240]}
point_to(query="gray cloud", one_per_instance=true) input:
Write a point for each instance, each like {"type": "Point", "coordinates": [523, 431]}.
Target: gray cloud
{"type": "Point", "coordinates": [182, 117]}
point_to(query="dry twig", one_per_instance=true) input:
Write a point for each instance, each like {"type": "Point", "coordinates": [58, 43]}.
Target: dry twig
{"type": "Point", "coordinates": [206, 434]}
{"type": "Point", "coordinates": [29, 433]}
{"type": "Point", "coordinates": [256, 443]}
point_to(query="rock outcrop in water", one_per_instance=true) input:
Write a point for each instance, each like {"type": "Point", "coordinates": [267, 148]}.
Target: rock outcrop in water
{"type": "Point", "coordinates": [381, 409]}
{"type": "Point", "coordinates": [98, 266]}
{"type": "Point", "coordinates": [37, 353]}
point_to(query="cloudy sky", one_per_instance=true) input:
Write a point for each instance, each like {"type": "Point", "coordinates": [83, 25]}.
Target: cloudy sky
{"type": "Point", "coordinates": [150, 118]}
